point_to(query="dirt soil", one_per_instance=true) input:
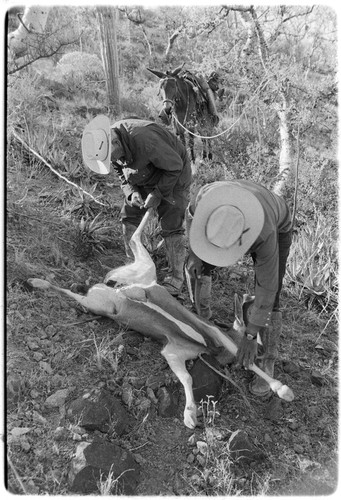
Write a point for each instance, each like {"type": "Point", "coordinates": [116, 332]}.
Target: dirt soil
{"type": "Point", "coordinates": [51, 345]}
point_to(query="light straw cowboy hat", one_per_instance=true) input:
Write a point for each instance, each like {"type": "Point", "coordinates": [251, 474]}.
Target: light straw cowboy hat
{"type": "Point", "coordinates": [96, 145]}
{"type": "Point", "coordinates": [227, 220]}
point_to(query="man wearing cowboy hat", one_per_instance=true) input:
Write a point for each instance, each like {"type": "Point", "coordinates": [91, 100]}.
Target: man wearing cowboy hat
{"type": "Point", "coordinates": [154, 170]}
{"type": "Point", "coordinates": [226, 220]}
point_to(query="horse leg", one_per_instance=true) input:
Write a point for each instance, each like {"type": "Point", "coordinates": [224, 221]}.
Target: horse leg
{"type": "Point", "coordinates": [206, 145]}
{"type": "Point", "coordinates": [191, 146]}
{"type": "Point", "coordinates": [210, 155]}
{"type": "Point", "coordinates": [204, 152]}
{"type": "Point", "coordinates": [180, 133]}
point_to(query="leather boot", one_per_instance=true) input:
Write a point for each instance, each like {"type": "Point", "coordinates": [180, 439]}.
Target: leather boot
{"type": "Point", "coordinates": [205, 284]}
{"type": "Point", "coordinates": [176, 254]}
{"type": "Point", "coordinates": [127, 231]}
{"type": "Point", "coordinates": [270, 339]}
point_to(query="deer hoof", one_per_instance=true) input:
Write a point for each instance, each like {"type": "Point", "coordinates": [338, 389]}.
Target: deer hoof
{"type": "Point", "coordinates": [190, 417]}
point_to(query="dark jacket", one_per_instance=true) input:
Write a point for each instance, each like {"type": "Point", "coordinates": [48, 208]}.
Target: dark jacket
{"type": "Point", "coordinates": [154, 159]}
{"type": "Point", "coordinates": [265, 250]}
{"type": "Point", "coordinates": [277, 219]}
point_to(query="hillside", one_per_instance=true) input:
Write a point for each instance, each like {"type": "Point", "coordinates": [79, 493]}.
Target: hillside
{"type": "Point", "coordinates": [91, 407]}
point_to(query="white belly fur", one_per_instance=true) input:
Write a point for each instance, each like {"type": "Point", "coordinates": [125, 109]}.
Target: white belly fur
{"type": "Point", "coordinates": [188, 330]}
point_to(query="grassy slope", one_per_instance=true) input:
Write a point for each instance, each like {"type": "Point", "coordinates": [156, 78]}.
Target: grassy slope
{"type": "Point", "coordinates": [46, 351]}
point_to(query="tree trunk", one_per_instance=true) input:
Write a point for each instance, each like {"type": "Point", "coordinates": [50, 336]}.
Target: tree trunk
{"type": "Point", "coordinates": [107, 18]}
{"type": "Point", "coordinates": [25, 38]}
{"type": "Point", "coordinates": [286, 146]}
{"type": "Point", "coordinates": [253, 27]}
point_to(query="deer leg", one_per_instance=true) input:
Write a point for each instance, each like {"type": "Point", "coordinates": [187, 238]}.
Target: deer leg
{"type": "Point", "coordinates": [46, 285]}
{"type": "Point", "coordinates": [176, 357]}
{"type": "Point", "coordinates": [100, 299]}
{"type": "Point", "coordinates": [191, 146]}
{"type": "Point", "coordinates": [160, 296]}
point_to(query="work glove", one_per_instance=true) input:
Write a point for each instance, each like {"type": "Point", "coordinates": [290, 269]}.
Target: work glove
{"type": "Point", "coordinates": [136, 200]}
{"type": "Point", "coordinates": [152, 200]}
{"type": "Point", "coordinates": [194, 265]}
{"type": "Point", "coordinates": [247, 351]}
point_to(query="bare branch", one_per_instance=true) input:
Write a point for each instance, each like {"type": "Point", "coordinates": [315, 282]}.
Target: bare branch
{"type": "Point", "coordinates": [277, 32]}
{"type": "Point", "coordinates": [172, 39]}
{"type": "Point", "coordinates": [22, 23]}
{"type": "Point", "coordinates": [19, 64]}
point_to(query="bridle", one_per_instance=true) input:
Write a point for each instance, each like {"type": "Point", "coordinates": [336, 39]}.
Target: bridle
{"type": "Point", "coordinates": [176, 95]}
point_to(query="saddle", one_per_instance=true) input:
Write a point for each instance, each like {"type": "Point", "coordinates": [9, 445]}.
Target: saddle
{"type": "Point", "coordinates": [203, 92]}
{"type": "Point", "coordinates": [198, 85]}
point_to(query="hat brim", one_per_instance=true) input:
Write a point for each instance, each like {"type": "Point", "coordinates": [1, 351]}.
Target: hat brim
{"type": "Point", "coordinates": [101, 122]}
{"type": "Point", "coordinates": [253, 213]}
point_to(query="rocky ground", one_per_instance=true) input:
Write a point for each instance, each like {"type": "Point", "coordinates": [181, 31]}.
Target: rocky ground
{"type": "Point", "coordinates": [94, 408]}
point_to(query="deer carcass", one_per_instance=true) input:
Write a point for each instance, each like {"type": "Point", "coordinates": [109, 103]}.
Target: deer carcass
{"type": "Point", "coordinates": [149, 309]}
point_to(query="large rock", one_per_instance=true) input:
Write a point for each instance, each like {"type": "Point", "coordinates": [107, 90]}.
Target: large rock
{"type": "Point", "coordinates": [105, 468]}
{"type": "Point", "coordinates": [242, 450]}
{"type": "Point", "coordinates": [101, 411]}
{"type": "Point", "coordinates": [206, 382]}
{"type": "Point", "coordinates": [57, 399]}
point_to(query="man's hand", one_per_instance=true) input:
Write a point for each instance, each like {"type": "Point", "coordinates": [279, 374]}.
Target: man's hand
{"type": "Point", "coordinates": [152, 201]}
{"type": "Point", "coordinates": [194, 265]}
{"type": "Point", "coordinates": [247, 352]}
{"type": "Point", "coordinates": [136, 200]}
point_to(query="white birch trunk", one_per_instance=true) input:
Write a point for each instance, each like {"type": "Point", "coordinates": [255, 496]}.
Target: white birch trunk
{"type": "Point", "coordinates": [23, 40]}
{"type": "Point", "coordinates": [286, 146]}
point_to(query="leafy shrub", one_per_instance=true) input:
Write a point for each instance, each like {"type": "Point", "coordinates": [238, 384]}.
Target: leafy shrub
{"type": "Point", "coordinates": [93, 237]}
{"type": "Point", "coordinates": [140, 100]}
{"type": "Point", "coordinates": [25, 100]}
{"type": "Point", "coordinates": [80, 65]}
{"type": "Point", "coordinates": [312, 269]}
{"type": "Point", "coordinates": [81, 73]}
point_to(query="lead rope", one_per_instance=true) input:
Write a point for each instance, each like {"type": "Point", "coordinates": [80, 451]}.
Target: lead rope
{"type": "Point", "coordinates": [224, 131]}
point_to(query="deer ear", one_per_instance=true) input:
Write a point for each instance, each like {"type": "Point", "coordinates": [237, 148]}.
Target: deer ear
{"type": "Point", "coordinates": [159, 74]}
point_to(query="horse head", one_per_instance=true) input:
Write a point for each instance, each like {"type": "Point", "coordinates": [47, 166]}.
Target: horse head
{"type": "Point", "coordinates": [170, 89]}
{"type": "Point", "coordinates": [183, 106]}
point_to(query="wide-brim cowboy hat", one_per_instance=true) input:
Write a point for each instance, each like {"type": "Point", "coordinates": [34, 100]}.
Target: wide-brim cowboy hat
{"type": "Point", "coordinates": [96, 145]}
{"type": "Point", "coordinates": [227, 220]}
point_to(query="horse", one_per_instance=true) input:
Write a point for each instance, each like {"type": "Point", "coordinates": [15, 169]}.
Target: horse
{"type": "Point", "coordinates": [186, 106]}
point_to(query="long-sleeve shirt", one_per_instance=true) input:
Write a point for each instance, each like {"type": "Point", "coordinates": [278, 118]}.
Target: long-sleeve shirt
{"type": "Point", "coordinates": [266, 249]}
{"type": "Point", "coordinates": [154, 159]}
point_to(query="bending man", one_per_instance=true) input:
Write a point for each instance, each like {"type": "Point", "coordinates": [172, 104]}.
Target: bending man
{"type": "Point", "coordinates": [227, 220]}
{"type": "Point", "coordinates": [154, 170]}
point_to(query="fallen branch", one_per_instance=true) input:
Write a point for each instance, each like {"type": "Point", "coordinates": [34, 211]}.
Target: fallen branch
{"type": "Point", "coordinates": [16, 475]}
{"type": "Point", "coordinates": [37, 155]}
